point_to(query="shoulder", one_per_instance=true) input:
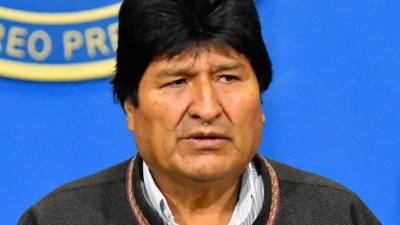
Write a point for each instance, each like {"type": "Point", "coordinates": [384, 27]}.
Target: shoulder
{"type": "Point", "coordinates": [93, 197]}
{"type": "Point", "coordinates": [309, 199]}
{"type": "Point", "coordinates": [111, 175]}
{"type": "Point", "coordinates": [291, 175]}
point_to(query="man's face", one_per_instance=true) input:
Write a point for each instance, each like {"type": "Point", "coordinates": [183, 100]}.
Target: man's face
{"type": "Point", "coordinates": [199, 115]}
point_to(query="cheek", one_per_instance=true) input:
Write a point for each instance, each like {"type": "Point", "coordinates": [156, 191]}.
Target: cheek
{"type": "Point", "coordinates": [152, 139]}
{"type": "Point", "coordinates": [156, 125]}
{"type": "Point", "coordinates": [243, 108]}
{"type": "Point", "coordinates": [245, 112]}
{"type": "Point", "coordinates": [167, 113]}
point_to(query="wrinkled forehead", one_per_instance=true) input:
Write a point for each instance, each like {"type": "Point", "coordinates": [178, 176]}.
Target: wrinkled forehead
{"type": "Point", "coordinates": [202, 52]}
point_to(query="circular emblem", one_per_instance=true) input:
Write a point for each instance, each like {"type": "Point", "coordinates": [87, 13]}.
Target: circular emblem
{"type": "Point", "coordinates": [58, 46]}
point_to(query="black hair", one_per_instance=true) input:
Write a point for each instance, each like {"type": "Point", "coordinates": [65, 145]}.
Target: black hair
{"type": "Point", "coordinates": [152, 28]}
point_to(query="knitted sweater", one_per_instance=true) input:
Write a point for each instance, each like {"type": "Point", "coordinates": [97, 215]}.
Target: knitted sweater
{"type": "Point", "coordinates": [103, 199]}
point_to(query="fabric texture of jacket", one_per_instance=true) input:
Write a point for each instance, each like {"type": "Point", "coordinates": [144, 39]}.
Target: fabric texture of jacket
{"type": "Point", "coordinates": [107, 198]}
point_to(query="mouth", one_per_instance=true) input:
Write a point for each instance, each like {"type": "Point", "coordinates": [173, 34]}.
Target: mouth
{"type": "Point", "coordinates": [205, 135]}
{"type": "Point", "coordinates": [206, 140]}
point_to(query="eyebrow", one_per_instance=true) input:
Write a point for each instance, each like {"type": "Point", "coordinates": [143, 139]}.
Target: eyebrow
{"type": "Point", "coordinates": [226, 67]}
{"type": "Point", "coordinates": [176, 72]}
{"type": "Point", "coordinates": [172, 72]}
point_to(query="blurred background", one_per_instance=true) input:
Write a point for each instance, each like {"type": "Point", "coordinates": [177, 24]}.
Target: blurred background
{"type": "Point", "coordinates": [333, 107]}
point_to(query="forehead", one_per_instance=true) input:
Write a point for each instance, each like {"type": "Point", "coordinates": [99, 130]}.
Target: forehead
{"type": "Point", "coordinates": [207, 56]}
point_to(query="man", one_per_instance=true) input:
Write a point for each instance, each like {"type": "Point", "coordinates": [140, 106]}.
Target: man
{"type": "Point", "coordinates": [190, 74]}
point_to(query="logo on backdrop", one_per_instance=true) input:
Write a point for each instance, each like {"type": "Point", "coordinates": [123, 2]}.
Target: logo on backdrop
{"type": "Point", "coordinates": [54, 46]}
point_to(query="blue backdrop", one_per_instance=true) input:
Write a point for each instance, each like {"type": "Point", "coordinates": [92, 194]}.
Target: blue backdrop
{"type": "Point", "coordinates": [333, 107]}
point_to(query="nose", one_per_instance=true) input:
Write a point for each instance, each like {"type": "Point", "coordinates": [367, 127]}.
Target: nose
{"type": "Point", "coordinates": [205, 104]}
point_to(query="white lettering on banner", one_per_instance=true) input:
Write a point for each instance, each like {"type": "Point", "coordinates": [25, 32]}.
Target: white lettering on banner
{"type": "Point", "coordinates": [113, 34]}
{"type": "Point", "coordinates": [96, 39]}
{"type": "Point", "coordinates": [72, 40]}
{"type": "Point", "coordinates": [16, 41]}
{"type": "Point", "coordinates": [2, 34]}
{"type": "Point", "coordinates": [19, 42]}
{"type": "Point", "coordinates": [36, 54]}
{"type": "Point", "coordinates": [58, 46]}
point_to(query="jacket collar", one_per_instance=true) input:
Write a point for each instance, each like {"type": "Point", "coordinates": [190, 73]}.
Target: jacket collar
{"type": "Point", "coordinates": [145, 215]}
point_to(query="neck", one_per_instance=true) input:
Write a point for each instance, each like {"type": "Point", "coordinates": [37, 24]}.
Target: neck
{"type": "Point", "coordinates": [200, 202]}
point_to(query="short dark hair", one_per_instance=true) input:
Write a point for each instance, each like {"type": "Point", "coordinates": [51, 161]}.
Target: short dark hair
{"type": "Point", "coordinates": [152, 28]}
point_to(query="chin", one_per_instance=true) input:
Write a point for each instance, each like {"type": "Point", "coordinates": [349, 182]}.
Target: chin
{"type": "Point", "coordinates": [209, 165]}
{"type": "Point", "coordinates": [208, 170]}
{"type": "Point", "coordinates": [204, 176]}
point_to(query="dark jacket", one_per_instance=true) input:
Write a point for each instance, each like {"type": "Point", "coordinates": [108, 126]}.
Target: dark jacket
{"type": "Point", "coordinates": [101, 199]}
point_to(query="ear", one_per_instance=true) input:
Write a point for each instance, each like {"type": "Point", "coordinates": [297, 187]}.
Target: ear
{"type": "Point", "coordinates": [130, 110]}
{"type": "Point", "coordinates": [263, 117]}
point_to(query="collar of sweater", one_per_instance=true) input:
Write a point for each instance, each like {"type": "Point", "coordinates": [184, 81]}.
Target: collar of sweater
{"type": "Point", "coordinates": [245, 212]}
{"type": "Point", "coordinates": [144, 214]}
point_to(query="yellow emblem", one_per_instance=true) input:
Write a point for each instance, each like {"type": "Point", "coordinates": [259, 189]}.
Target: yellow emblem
{"type": "Point", "coordinates": [27, 43]}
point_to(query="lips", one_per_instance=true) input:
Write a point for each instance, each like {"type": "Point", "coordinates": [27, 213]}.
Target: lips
{"type": "Point", "coordinates": [206, 140]}
{"type": "Point", "coordinates": [201, 135]}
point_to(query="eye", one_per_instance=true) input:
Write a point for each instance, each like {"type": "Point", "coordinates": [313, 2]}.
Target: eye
{"type": "Point", "coordinates": [176, 83]}
{"type": "Point", "coordinates": [228, 78]}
